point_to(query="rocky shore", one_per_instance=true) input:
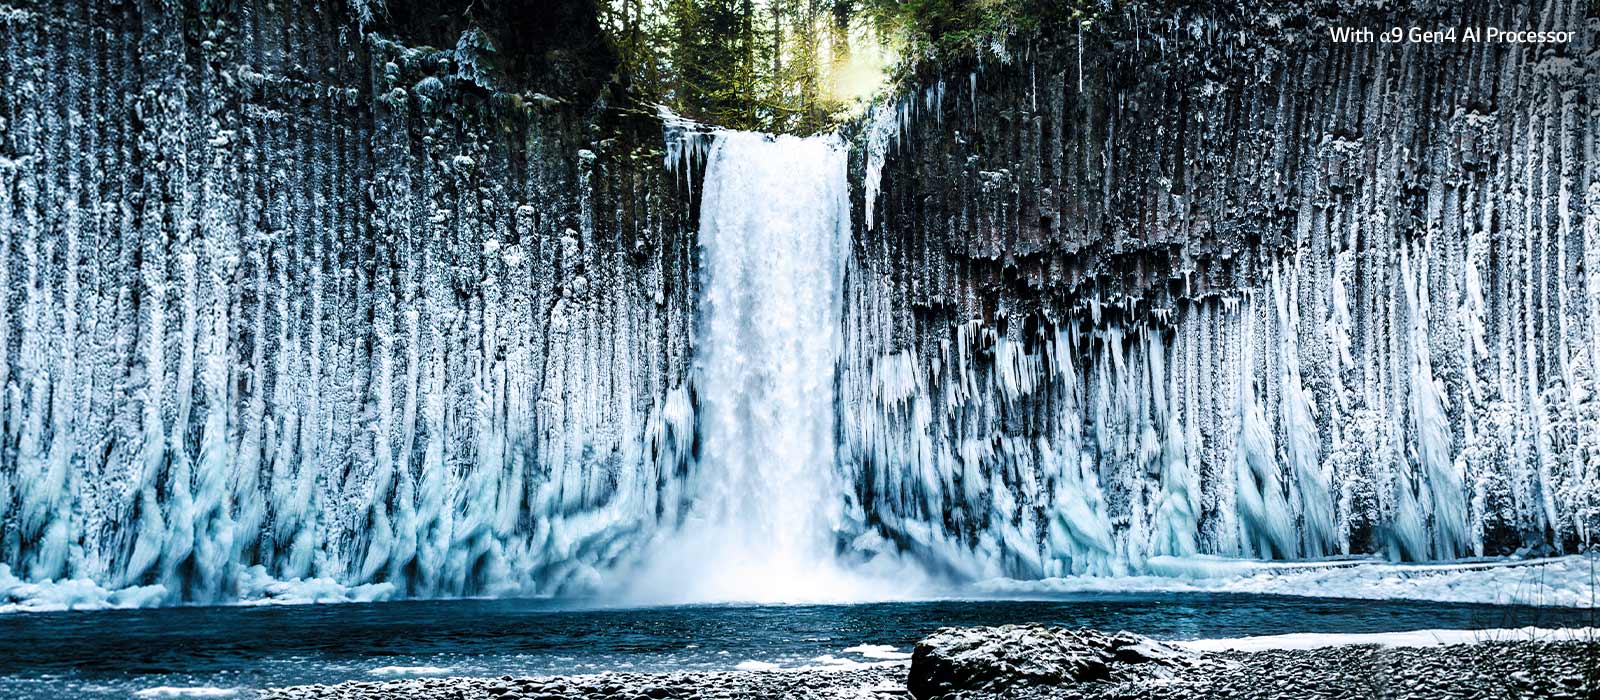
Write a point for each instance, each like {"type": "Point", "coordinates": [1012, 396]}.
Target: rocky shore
{"type": "Point", "coordinates": [870, 683]}
{"type": "Point", "coordinates": [1030, 662]}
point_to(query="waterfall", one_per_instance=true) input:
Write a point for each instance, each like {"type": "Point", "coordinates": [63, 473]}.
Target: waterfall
{"type": "Point", "coordinates": [314, 329]}
{"type": "Point", "coordinates": [774, 232]}
{"type": "Point", "coordinates": [774, 225]}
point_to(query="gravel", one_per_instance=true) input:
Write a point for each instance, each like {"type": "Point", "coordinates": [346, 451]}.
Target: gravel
{"type": "Point", "coordinates": [868, 683]}
{"type": "Point", "coordinates": [1494, 669]}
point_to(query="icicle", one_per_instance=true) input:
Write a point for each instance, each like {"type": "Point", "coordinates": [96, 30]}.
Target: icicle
{"type": "Point", "coordinates": [882, 132]}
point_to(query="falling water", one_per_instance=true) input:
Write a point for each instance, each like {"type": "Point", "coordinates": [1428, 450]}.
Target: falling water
{"type": "Point", "coordinates": [774, 229]}
{"type": "Point", "coordinates": [371, 348]}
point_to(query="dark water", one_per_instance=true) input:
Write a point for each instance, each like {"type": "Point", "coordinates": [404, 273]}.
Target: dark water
{"type": "Point", "coordinates": [116, 653]}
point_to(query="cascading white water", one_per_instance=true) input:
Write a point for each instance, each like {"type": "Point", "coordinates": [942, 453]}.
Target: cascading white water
{"type": "Point", "coordinates": [774, 225]}
{"type": "Point", "coordinates": [774, 231]}
{"type": "Point", "coordinates": [345, 354]}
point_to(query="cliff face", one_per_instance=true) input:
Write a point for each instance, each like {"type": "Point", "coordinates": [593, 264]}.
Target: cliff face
{"type": "Point", "coordinates": [1203, 280]}
{"type": "Point", "coordinates": [284, 287]}
{"type": "Point", "coordinates": [287, 294]}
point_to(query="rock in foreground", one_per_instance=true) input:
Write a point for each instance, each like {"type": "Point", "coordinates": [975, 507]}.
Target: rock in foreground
{"type": "Point", "coordinates": [882, 682]}
{"type": "Point", "coordinates": [995, 658]}
{"type": "Point", "coordinates": [1566, 670]}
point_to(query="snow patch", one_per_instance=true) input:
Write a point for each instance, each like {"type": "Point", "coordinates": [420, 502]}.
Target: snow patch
{"type": "Point", "coordinates": [1562, 582]}
{"type": "Point", "coordinates": [826, 662]}
{"type": "Point", "coordinates": [1415, 638]}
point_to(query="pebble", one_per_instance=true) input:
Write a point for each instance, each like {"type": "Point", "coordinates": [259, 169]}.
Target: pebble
{"type": "Point", "coordinates": [1495, 669]}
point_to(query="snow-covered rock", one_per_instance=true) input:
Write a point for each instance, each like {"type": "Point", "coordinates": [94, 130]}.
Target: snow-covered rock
{"type": "Point", "coordinates": [994, 658]}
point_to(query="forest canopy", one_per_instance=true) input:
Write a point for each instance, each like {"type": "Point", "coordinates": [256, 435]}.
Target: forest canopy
{"type": "Point", "coordinates": [794, 66]}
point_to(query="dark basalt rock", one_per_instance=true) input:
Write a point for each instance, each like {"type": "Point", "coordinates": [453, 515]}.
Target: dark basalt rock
{"type": "Point", "coordinates": [1139, 670]}
{"type": "Point", "coordinates": [994, 658]}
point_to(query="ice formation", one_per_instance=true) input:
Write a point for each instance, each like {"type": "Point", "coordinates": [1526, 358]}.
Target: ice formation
{"type": "Point", "coordinates": [264, 340]}
{"type": "Point", "coordinates": [283, 325]}
{"type": "Point", "coordinates": [1558, 582]}
{"type": "Point", "coordinates": [1094, 447]}
{"type": "Point", "coordinates": [1267, 313]}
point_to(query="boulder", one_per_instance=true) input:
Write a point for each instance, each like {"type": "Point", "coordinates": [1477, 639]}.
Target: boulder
{"type": "Point", "coordinates": [994, 658]}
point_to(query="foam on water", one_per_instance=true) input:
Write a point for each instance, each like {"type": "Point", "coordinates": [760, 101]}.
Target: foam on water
{"type": "Point", "coordinates": [878, 651]}
{"type": "Point", "coordinates": [410, 671]}
{"type": "Point", "coordinates": [187, 692]}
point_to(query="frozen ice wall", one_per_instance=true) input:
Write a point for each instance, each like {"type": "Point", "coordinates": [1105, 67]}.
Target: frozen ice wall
{"type": "Point", "coordinates": [292, 305]}
{"type": "Point", "coordinates": [1211, 285]}
{"type": "Point", "coordinates": [282, 300]}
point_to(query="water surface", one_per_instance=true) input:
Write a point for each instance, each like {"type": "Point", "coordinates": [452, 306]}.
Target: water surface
{"type": "Point", "coordinates": [116, 653]}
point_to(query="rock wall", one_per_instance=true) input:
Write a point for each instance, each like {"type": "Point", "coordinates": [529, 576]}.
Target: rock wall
{"type": "Point", "coordinates": [1197, 279]}
{"type": "Point", "coordinates": [288, 294]}
{"type": "Point", "coordinates": [296, 304]}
